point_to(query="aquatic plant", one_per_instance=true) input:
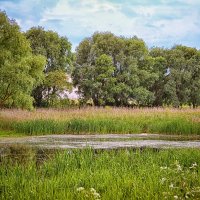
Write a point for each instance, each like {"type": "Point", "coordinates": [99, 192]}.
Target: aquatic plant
{"type": "Point", "coordinates": [101, 120]}
{"type": "Point", "coordinates": [88, 174]}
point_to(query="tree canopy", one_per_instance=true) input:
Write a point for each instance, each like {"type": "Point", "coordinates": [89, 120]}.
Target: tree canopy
{"type": "Point", "coordinates": [181, 84]}
{"type": "Point", "coordinates": [20, 70]}
{"type": "Point", "coordinates": [140, 76]}
{"type": "Point", "coordinates": [127, 76]}
{"type": "Point", "coordinates": [35, 67]}
{"type": "Point", "coordinates": [57, 51]}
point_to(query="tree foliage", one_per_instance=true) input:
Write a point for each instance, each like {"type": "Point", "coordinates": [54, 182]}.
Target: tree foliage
{"type": "Point", "coordinates": [56, 82]}
{"type": "Point", "coordinates": [181, 84]}
{"type": "Point", "coordinates": [141, 77]}
{"type": "Point", "coordinates": [108, 70]}
{"type": "Point", "coordinates": [57, 51]}
{"type": "Point", "coordinates": [20, 71]}
{"type": "Point", "coordinates": [128, 74]}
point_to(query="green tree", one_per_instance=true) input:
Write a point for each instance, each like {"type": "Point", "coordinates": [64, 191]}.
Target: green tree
{"type": "Point", "coordinates": [56, 82]}
{"type": "Point", "coordinates": [20, 71]}
{"type": "Point", "coordinates": [178, 85]}
{"type": "Point", "coordinates": [161, 68]}
{"type": "Point", "coordinates": [132, 68]}
{"type": "Point", "coordinates": [96, 82]}
{"type": "Point", "coordinates": [103, 81]}
{"type": "Point", "coordinates": [57, 51]}
{"type": "Point", "coordinates": [141, 77]}
{"type": "Point", "coordinates": [194, 83]}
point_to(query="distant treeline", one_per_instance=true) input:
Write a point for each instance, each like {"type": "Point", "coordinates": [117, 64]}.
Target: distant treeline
{"type": "Point", "coordinates": [107, 70]}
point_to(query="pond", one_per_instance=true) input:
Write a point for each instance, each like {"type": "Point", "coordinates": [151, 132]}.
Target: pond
{"type": "Point", "coordinates": [107, 141]}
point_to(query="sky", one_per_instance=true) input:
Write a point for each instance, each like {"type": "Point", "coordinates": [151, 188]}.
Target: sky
{"type": "Point", "coordinates": [162, 23]}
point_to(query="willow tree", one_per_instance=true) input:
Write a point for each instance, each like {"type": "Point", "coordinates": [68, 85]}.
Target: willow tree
{"type": "Point", "coordinates": [132, 72]}
{"type": "Point", "coordinates": [57, 51]}
{"type": "Point", "coordinates": [20, 70]}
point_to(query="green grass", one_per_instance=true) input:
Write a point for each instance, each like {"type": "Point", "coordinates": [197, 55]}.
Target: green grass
{"type": "Point", "coordinates": [5, 133]}
{"type": "Point", "coordinates": [108, 125]}
{"type": "Point", "coordinates": [122, 174]}
{"type": "Point", "coordinates": [102, 121]}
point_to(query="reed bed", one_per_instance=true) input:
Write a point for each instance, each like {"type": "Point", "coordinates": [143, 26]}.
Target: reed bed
{"type": "Point", "coordinates": [101, 120]}
{"type": "Point", "coordinates": [94, 175]}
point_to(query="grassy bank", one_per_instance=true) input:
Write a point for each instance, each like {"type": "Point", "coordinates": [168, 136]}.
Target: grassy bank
{"type": "Point", "coordinates": [123, 174]}
{"type": "Point", "coordinates": [101, 120]}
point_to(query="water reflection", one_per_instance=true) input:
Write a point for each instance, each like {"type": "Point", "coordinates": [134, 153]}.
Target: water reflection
{"type": "Point", "coordinates": [24, 154]}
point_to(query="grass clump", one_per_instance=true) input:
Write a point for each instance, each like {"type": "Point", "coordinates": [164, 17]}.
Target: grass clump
{"type": "Point", "coordinates": [39, 127]}
{"type": "Point", "coordinates": [89, 174]}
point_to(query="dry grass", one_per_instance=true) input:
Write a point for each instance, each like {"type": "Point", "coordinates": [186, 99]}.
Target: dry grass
{"type": "Point", "coordinates": [102, 120]}
{"type": "Point", "coordinates": [93, 112]}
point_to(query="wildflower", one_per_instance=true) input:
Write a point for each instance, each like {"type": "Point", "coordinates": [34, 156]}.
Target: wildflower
{"type": "Point", "coordinates": [194, 165]}
{"type": "Point", "coordinates": [175, 197]}
{"type": "Point", "coordinates": [69, 152]}
{"type": "Point", "coordinates": [171, 185]}
{"type": "Point", "coordinates": [178, 166]}
{"type": "Point", "coordinates": [163, 168]}
{"type": "Point", "coordinates": [163, 180]}
{"type": "Point", "coordinates": [79, 189]}
{"type": "Point", "coordinates": [96, 195]}
{"type": "Point", "coordinates": [92, 190]}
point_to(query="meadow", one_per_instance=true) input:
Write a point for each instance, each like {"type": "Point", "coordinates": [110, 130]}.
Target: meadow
{"type": "Point", "coordinates": [100, 121]}
{"type": "Point", "coordinates": [94, 175]}
{"type": "Point", "coordinates": [30, 173]}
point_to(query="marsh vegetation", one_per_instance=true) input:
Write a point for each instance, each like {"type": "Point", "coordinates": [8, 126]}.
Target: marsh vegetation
{"type": "Point", "coordinates": [100, 121]}
{"type": "Point", "coordinates": [124, 79]}
{"type": "Point", "coordinates": [88, 174]}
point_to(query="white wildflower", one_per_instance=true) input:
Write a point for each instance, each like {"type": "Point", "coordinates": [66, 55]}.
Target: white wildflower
{"type": "Point", "coordinates": [163, 168]}
{"type": "Point", "coordinates": [179, 168]}
{"type": "Point", "coordinates": [163, 180]}
{"type": "Point", "coordinates": [79, 189]}
{"type": "Point", "coordinates": [175, 197]}
{"type": "Point", "coordinates": [194, 165]}
{"type": "Point", "coordinates": [92, 190]}
{"type": "Point", "coordinates": [96, 195]}
{"type": "Point", "coordinates": [171, 185]}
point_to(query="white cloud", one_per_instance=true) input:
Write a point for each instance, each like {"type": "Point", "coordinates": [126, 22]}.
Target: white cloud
{"type": "Point", "coordinates": [89, 17]}
{"type": "Point", "coordinates": [21, 6]}
{"type": "Point", "coordinates": [160, 24]}
{"type": "Point", "coordinates": [22, 12]}
{"type": "Point", "coordinates": [93, 15]}
{"type": "Point", "coordinates": [190, 2]}
{"type": "Point", "coordinates": [145, 11]}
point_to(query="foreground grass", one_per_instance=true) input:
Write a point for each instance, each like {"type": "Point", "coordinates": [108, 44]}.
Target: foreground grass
{"type": "Point", "coordinates": [101, 120]}
{"type": "Point", "coordinates": [88, 174]}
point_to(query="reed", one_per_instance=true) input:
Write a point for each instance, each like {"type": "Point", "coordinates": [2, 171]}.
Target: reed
{"type": "Point", "coordinates": [88, 174]}
{"type": "Point", "coordinates": [101, 121]}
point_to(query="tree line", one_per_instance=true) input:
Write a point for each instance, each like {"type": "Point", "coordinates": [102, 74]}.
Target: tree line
{"type": "Point", "coordinates": [35, 67]}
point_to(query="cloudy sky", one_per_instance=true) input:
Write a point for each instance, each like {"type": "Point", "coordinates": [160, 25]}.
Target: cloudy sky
{"type": "Point", "coordinates": [159, 22]}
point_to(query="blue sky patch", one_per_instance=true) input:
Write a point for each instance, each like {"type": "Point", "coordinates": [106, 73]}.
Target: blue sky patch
{"type": "Point", "coordinates": [159, 22]}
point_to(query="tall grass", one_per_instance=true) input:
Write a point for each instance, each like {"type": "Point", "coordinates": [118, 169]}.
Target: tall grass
{"type": "Point", "coordinates": [101, 120]}
{"type": "Point", "coordinates": [87, 174]}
